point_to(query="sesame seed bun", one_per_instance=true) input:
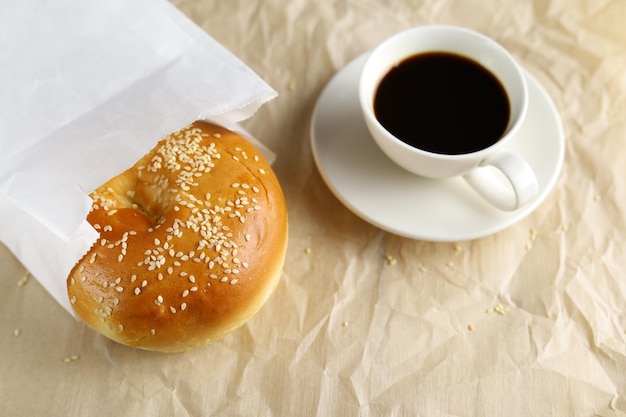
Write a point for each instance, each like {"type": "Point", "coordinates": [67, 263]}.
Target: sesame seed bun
{"type": "Point", "coordinates": [192, 243]}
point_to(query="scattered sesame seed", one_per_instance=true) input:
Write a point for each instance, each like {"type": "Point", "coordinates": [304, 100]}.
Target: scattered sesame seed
{"type": "Point", "coordinates": [24, 279]}
{"type": "Point", "coordinates": [173, 310]}
{"type": "Point", "coordinates": [71, 358]}
{"type": "Point", "coordinates": [17, 332]}
{"type": "Point", "coordinates": [498, 308]}
{"type": "Point", "coordinates": [183, 306]}
{"type": "Point", "coordinates": [152, 332]}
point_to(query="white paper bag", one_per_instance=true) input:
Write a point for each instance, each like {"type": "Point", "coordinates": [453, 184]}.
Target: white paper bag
{"type": "Point", "coordinates": [87, 88]}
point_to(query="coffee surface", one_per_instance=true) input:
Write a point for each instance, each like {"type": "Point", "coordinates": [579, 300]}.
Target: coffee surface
{"type": "Point", "coordinates": [442, 103]}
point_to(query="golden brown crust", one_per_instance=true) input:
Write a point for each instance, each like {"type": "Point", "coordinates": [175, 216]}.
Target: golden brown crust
{"type": "Point", "coordinates": [192, 243]}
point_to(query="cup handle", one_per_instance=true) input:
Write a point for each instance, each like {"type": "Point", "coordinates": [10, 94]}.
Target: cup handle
{"type": "Point", "coordinates": [519, 188]}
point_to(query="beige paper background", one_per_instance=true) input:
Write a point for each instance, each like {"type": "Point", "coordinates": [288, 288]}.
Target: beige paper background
{"type": "Point", "coordinates": [347, 332]}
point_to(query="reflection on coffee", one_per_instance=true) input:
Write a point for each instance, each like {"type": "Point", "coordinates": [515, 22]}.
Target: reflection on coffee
{"type": "Point", "coordinates": [442, 103]}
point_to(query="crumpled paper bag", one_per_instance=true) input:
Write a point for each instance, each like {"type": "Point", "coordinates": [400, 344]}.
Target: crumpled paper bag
{"type": "Point", "coordinates": [87, 89]}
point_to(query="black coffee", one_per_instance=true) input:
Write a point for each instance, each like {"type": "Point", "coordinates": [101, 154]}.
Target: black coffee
{"type": "Point", "coordinates": [442, 103]}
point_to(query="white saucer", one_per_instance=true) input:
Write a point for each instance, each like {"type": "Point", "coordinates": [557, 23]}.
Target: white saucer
{"type": "Point", "coordinates": [387, 196]}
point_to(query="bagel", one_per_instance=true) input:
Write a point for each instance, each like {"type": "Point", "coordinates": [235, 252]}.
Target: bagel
{"type": "Point", "coordinates": [192, 243]}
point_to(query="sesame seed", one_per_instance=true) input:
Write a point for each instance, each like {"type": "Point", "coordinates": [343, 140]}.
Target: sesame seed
{"type": "Point", "coordinates": [193, 289]}
{"type": "Point", "coordinates": [185, 293]}
{"type": "Point", "coordinates": [173, 310]}
{"type": "Point", "coordinates": [234, 281]}
{"type": "Point", "coordinates": [144, 283]}
{"type": "Point", "coordinates": [152, 332]}
{"type": "Point", "coordinates": [137, 290]}
{"type": "Point", "coordinates": [119, 289]}
{"type": "Point", "coordinates": [183, 306]}
{"type": "Point", "coordinates": [17, 332]}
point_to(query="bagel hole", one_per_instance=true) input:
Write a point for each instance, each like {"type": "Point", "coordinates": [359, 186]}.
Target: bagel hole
{"type": "Point", "coordinates": [149, 201]}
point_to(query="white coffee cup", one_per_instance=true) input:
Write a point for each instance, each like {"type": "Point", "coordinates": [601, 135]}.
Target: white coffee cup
{"type": "Point", "coordinates": [501, 177]}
